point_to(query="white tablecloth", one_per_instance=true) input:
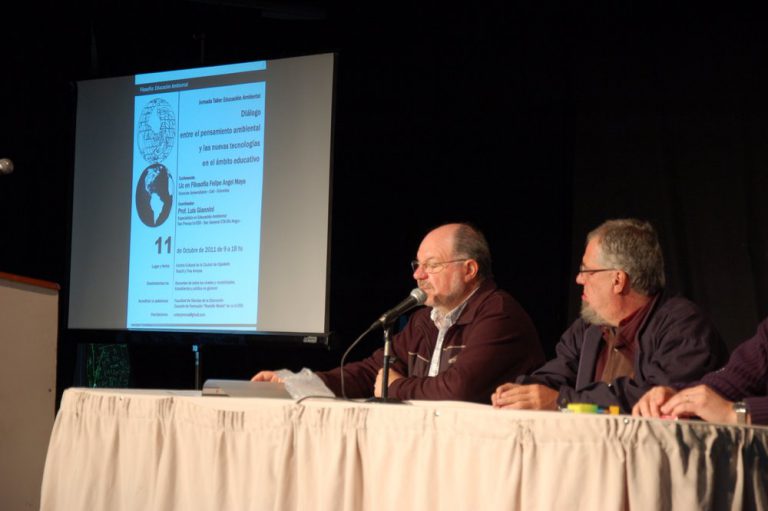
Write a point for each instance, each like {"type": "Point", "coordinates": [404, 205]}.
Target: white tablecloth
{"type": "Point", "coordinates": [164, 450]}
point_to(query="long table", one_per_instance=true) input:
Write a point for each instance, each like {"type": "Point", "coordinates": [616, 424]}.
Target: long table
{"type": "Point", "coordinates": [166, 450]}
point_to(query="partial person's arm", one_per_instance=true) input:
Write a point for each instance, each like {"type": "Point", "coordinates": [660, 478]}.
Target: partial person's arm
{"type": "Point", "coordinates": [563, 369]}
{"type": "Point", "coordinates": [700, 401]}
{"type": "Point", "coordinates": [745, 376]}
{"type": "Point", "coordinates": [359, 377]}
{"type": "Point", "coordinates": [540, 390]}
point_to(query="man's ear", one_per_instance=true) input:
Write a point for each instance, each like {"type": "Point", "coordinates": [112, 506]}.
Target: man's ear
{"type": "Point", "coordinates": [470, 269]}
{"type": "Point", "coordinates": [621, 282]}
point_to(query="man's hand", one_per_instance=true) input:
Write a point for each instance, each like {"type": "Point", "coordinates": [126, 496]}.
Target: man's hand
{"type": "Point", "coordinates": [270, 376]}
{"type": "Point", "coordinates": [525, 397]}
{"type": "Point", "coordinates": [393, 375]}
{"type": "Point", "coordinates": [702, 402]}
{"type": "Point", "coordinates": [650, 404]}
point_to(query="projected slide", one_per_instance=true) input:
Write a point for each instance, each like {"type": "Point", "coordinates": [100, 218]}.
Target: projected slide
{"type": "Point", "coordinates": [197, 201]}
{"type": "Point", "coordinates": [201, 201]}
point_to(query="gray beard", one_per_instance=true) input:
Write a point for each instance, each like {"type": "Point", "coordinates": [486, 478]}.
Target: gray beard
{"type": "Point", "coordinates": [589, 315]}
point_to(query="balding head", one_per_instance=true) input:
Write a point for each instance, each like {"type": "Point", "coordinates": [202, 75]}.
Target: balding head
{"type": "Point", "coordinates": [448, 266]}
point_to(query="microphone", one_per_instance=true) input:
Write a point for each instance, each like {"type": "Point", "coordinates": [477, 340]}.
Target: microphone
{"type": "Point", "coordinates": [416, 298]}
{"type": "Point", "coordinates": [6, 166]}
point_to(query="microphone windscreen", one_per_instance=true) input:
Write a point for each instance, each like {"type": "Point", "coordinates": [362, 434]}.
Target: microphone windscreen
{"type": "Point", "coordinates": [420, 296]}
{"type": "Point", "coordinates": [6, 166]}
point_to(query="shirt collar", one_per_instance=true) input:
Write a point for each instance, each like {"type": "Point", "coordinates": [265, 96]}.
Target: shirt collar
{"type": "Point", "coordinates": [447, 320]}
{"type": "Point", "coordinates": [628, 328]}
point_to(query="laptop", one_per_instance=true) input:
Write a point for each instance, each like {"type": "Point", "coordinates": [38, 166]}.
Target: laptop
{"type": "Point", "coordinates": [245, 388]}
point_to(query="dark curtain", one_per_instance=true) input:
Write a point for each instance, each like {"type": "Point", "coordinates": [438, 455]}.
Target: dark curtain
{"type": "Point", "coordinates": [537, 121]}
{"type": "Point", "coordinates": [669, 124]}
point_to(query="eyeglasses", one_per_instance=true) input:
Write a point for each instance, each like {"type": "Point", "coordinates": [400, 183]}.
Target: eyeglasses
{"type": "Point", "coordinates": [433, 266]}
{"type": "Point", "coordinates": [586, 271]}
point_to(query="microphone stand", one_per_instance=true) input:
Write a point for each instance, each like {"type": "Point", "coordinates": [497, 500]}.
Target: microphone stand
{"type": "Point", "coordinates": [385, 367]}
{"type": "Point", "coordinates": [385, 370]}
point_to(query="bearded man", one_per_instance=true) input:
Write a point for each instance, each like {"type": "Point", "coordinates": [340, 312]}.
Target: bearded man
{"type": "Point", "coordinates": [630, 336]}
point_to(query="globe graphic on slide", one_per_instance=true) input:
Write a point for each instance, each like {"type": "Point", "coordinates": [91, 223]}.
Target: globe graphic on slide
{"type": "Point", "coordinates": [154, 195]}
{"type": "Point", "coordinates": [157, 130]}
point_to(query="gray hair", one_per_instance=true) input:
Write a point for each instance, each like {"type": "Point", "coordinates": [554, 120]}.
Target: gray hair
{"type": "Point", "coordinates": [632, 246]}
{"type": "Point", "coordinates": [469, 242]}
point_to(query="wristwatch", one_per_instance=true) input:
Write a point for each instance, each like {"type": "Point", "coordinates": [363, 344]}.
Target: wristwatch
{"type": "Point", "coordinates": [742, 413]}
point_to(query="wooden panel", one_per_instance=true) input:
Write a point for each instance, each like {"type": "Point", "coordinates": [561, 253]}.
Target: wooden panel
{"type": "Point", "coordinates": [28, 338]}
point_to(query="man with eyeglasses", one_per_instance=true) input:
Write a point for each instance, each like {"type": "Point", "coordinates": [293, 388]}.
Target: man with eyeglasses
{"type": "Point", "coordinates": [470, 337]}
{"type": "Point", "coordinates": [630, 336]}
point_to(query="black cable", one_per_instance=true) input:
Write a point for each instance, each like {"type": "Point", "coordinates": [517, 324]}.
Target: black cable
{"type": "Point", "coordinates": [344, 356]}
{"type": "Point", "coordinates": [335, 398]}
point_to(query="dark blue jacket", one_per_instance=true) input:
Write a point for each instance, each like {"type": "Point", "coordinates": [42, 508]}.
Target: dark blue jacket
{"type": "Point", "coordinates": [676, 344]}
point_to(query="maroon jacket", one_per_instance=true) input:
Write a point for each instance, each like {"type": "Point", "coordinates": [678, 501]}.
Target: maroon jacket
{"type": "Point", "coordinates": [677, 344]}
{"type": "Point", "coordinates": [492, 342]}
{"type": "Point", "coordinates": [745, 376]}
